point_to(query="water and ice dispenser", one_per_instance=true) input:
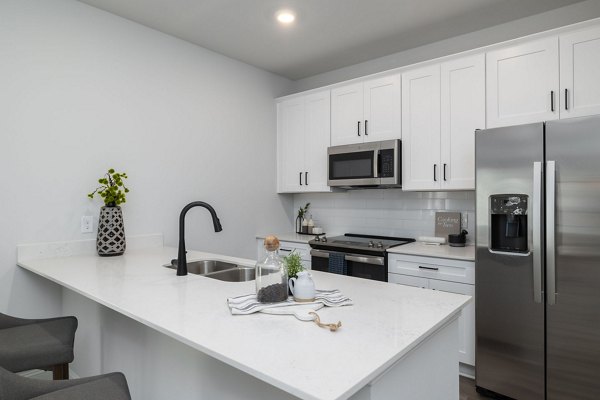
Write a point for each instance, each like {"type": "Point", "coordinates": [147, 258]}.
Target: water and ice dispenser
{"type": "Point", "coordinates": [508, 223]}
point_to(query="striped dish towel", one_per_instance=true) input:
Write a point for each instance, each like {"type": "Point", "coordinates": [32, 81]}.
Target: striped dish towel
{"type": "Point", "coordinates": [248, 304]}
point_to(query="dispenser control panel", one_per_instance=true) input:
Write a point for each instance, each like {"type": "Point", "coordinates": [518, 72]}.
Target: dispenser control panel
{"type": "Point", "coordinates": [508, 223]}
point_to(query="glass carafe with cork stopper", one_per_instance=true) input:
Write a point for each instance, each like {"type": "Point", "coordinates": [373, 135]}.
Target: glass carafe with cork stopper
{"type": "Point", "coordinates": [271, 274]}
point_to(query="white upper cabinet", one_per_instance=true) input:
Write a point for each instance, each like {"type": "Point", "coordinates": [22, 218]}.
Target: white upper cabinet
{"type": "Point", "coordinates": [382, 109]}
{"type": "Point", "coordinates": [421, 129]}
{"type": "Point", "coordinates": [442, 106]}
{"type": "Point", "coordinates": [463, 111]}
{"type": "Point", "coordinates": [303, 135]}
{"type": "Point", "coordinates": [580, 73]}
{"type": "Point", "coordinates": [290, 144]}
{"type": "Point", "coordinates": [522, 83]}
{"type": "Point", "coordinates": [317, 139]}
{"type": "Point", "coordinates": [366, 111]}
{"type": "Point", "coordinates": [346, 114]}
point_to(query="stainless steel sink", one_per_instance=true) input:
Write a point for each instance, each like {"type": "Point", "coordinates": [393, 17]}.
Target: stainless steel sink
{"type": "Point", "coordinates": [204, 267]}
{"type": "Point", "coordinates": [239, 274]}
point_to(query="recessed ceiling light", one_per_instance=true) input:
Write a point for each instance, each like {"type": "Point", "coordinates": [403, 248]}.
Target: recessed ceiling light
{"type": "Point", "coordinates": [285, 17]}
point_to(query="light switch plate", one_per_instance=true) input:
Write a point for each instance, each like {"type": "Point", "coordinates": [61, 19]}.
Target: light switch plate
{"type": "Point", "coordinates": [87, 224]}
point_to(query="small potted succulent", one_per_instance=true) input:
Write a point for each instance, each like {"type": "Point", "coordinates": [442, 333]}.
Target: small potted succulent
{"type": "Point", "coordinates": [110, 240]}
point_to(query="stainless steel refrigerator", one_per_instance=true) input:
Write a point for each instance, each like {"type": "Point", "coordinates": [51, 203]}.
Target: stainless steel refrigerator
{"type": "Point", "coordinates": [538, 260]}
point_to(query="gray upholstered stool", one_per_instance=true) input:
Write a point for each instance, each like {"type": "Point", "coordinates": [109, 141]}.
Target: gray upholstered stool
{"type": "Point", "coordinates": [102, 387]}
{"type": "Point", "coordinates": [37, 344]}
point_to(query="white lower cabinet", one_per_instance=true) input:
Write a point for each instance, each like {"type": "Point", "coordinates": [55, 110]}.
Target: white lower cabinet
{"type": "Point", "coordinates": [453, 276]}
{"type": "Point", "coordinates": [286, 248]}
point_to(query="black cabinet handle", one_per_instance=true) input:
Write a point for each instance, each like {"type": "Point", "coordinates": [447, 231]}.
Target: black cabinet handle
{"type": "Point", "coordinates": [428, 268]}
{"type": "Point", "coordinates": [445, 172]}
{"type": "Point", "coordinates": [300, 178]}
{"type": "Point", "coordinates": [566, 99]}
{"type": "Point", "coordinates": [435, 172]}
{"type": "Point", "coordinates": [306, 178]}
{"type": "Point", "coordinates": [552, 100]}
{"type": "Point", "coordinates": [366, 122]}
{"type": "Point", "coordinates": [358, 128]}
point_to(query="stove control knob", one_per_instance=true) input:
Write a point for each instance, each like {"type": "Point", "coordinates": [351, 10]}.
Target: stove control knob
{"type": "Point", "coordinates": [379, 245]}
{"type": "Point", "coordinates": [371, 244]}
{"type": "Point", "coordinates": [317, 239]}
{"type": "Point", "coordinates": [324, 239]}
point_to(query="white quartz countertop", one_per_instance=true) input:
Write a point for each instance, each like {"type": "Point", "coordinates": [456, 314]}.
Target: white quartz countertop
{"type": "Point", "coordinates": [386, 322]}
{"type": "Point", "coordinates": [466, 253]}
{"type": "Point", "coordinates": [289, 237]}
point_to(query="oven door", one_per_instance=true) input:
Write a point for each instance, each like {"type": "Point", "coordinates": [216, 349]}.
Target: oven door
{"type": "Point", "coordinates": [360, 266]}
{"type": "Point", "coordinates": [353, 165]}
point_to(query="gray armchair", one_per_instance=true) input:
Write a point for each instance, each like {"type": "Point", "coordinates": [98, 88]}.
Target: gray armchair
{"type": "Point", "coordinates": [102, 387]}
{"type": "Point", "coordinates": [37, 344]}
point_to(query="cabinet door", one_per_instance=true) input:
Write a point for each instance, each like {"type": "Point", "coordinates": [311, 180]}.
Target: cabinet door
{"type": "Point", "coordinates": [580, 73]}
{"type": "Point", "coordinates": [466, 322]}
{"type": "Point", "coordinates": [290, 145]}
{"type": "Point", "coordinates": [347, 114]}
{"type": "Point", "coordinates": [382, 108]}
{"type": "Point", "coordinates": [421, 129]}
{"type": "Point", "coordinates": [316, 141]}
{"type": "Point", "coordinates": [522, 83]}
{"type": "Point", "coordinates": [408, 280]}
{"type": "Point", "coordinates": [463, 111]}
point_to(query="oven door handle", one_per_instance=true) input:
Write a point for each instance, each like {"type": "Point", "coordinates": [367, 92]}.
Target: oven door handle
{"type": "Point", "coordinates": [365, 259]}
{"type": "Point", "coordinates": [321, 254]}
{"type": "Point", "coordinates": [352, 257]}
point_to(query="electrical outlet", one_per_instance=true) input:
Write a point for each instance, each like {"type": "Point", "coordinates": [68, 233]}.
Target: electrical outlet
{"type": "Point", "coordinates": [464, 220]}
{"type": "Point", "coordinates": [87, 224]}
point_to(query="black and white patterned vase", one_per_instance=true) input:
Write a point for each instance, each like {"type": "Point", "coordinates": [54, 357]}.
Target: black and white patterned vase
{"type": "Point", "coordinates": [111, 232]}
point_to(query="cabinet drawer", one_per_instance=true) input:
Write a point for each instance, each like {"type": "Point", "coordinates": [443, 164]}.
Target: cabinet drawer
{"type": "Point", "coordinates": [408, 280]}
{"type": "Point", "coordinates": [286, 248]}
{"type": "Point", "coordinates": [432, 268]}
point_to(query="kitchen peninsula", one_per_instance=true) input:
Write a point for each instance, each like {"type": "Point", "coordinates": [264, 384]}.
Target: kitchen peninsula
{"type": "Point", "coordinates": [392, 341]}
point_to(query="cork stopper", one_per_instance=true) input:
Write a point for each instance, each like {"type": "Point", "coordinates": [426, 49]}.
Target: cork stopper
{"type": "Point", "coordinates": [271, 243]}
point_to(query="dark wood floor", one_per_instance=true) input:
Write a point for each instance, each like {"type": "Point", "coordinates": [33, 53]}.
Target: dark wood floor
{"type": "Point", "coordinates": [467, 390]}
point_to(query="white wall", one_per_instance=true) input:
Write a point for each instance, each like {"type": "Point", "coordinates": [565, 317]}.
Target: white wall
{"type": "Point", "coordinates": [511, 30]}
{"type": "Point", "coordinates": [388, 212]}
{"type": "Point", "coordinates": [83, 90]}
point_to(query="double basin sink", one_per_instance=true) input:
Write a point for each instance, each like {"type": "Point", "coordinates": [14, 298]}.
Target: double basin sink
{"type": "Point", "coordinates": [220, 270]}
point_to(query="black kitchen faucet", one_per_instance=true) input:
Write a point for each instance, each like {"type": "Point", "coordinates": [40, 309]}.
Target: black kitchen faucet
{"type": "Point", "coordinates": [181, 255]}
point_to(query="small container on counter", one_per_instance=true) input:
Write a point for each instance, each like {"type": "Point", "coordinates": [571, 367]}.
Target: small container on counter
{"type": "Point", "coordinates": [311, 225]}
{"type": "Point", "coordinates": [458, 240]}
{"type": "Point", "coordinates": [271, 274]}
{"type": "Point", "coordinates": [304, 226]}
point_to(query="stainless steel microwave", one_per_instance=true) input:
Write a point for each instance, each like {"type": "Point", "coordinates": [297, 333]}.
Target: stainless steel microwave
{"type": "Point", "coordinates": [365, 165]}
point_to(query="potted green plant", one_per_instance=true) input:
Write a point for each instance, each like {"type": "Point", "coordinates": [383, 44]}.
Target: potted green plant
{"type": "Point", "coordinates": [293, 264]}
{"type": "Point", "coordinates": [110, 240]}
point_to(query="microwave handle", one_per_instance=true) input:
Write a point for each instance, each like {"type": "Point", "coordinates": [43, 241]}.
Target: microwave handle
{"type": "Point", "coordinates": [377, 164]}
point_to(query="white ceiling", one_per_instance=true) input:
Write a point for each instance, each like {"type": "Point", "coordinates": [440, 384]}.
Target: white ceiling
{"type": "Point", "coordinates": [327, 34]}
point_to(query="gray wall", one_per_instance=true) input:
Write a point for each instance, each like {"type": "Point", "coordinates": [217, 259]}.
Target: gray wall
{"type": "Point", "coordinates": [83, 91]}
{"type": "Point", "coordinates": [537, 23]}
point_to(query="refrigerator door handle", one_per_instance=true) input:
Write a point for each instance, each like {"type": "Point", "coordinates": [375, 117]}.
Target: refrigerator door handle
{"type": "Point", "coordinates": [550, 232]}
{"type": "Point", "coordinates": [537, 232]}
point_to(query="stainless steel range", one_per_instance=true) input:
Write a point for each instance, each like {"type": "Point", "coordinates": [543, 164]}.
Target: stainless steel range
{"type": "Point", "coordinates": [362, 256]}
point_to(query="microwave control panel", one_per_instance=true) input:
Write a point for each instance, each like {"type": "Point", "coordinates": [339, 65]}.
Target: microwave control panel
{"type": "Point", "coordinates": [386, 166]}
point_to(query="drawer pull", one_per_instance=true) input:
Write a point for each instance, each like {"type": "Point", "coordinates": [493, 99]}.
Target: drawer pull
{"type": "Point", "coordinates": [428, 268]}
{"type": "Point", "coordinates": [282, 249]}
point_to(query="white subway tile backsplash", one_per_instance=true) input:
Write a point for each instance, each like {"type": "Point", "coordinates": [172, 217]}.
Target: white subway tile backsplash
{"type": "Point", "coordinates": [389, 212]}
